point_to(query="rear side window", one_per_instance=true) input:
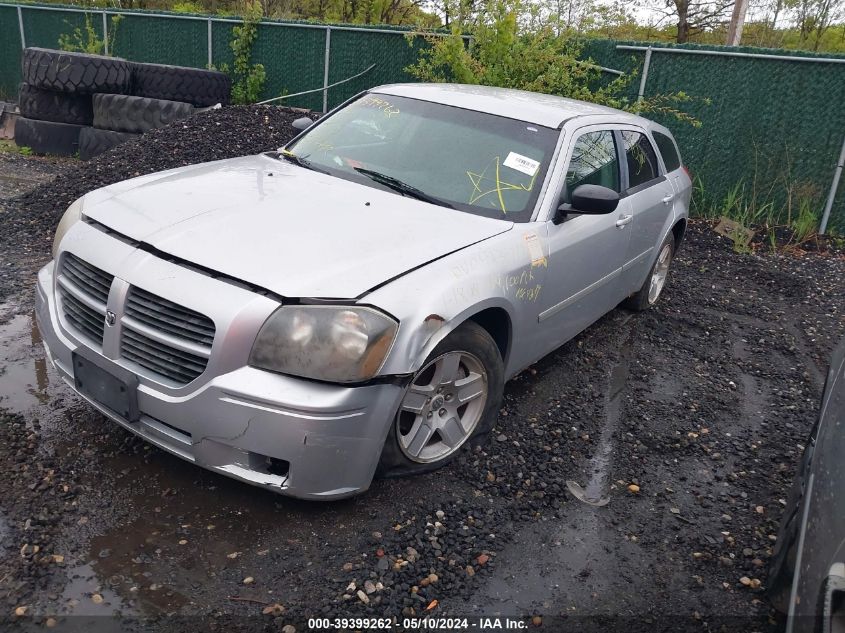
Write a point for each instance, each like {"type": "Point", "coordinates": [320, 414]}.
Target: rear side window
{"type": "Point", "coordinates": [641, 159]}
{"type": "Point", "coordinates": [667, 150]}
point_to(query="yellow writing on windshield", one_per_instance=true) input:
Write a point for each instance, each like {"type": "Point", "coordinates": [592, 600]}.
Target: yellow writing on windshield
{"type": "Point", "coordinates": [481, 182]}
{"type": "Point", "coordinates": [385, 106]}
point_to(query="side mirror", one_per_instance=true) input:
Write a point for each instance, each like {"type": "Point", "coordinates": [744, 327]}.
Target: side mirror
{"type": "Point", "coordinates": [589, 200]}
{"type": "Point", "coordinates": [594, 200]}
{"type": "Point", "coordinates": [302, 123]}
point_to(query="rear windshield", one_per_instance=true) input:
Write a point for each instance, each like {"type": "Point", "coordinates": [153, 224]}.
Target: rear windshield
{"type": "Point", "coordinates": [667, 151]}
{"type": "Point", "coordinates": [472, 161]}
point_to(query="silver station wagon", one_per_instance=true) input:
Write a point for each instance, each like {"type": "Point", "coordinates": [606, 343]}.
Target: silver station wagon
{"type": "Point", "coordinates": [353, 303]}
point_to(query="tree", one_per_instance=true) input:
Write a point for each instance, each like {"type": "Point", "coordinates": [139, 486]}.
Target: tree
{"type": "Point", "coordinates": [814, 17]}
{"type": "Point", "coordinates": [503, 54]}
{"type": "Point", "coordinates": [694, 16]}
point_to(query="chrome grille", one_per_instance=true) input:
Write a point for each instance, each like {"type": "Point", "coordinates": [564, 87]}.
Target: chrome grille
{"type": "Point", "coordinates": [84, 320]}
{"type": "Point", "coordinates": [164, 337]}
{"type": "Point", "coordinates": [169, 317]}
{"type": "Point", "coordinates": [176, 365]}
{"type": "Point", "coordinates": [89, 279]}
{"type": "Point", "coordinates": [84, 291]}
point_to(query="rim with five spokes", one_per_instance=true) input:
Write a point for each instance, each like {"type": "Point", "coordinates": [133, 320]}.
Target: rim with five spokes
{"type": "Point", "coordinates": [658, 276]}
{"type": "Point", "coordinates": [442, 407]}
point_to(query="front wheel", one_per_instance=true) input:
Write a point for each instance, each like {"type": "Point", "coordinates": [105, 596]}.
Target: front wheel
{"type": "Point", "coordinates": [651, 290]}
{"type": "Point", "coordinates": [452, 399]}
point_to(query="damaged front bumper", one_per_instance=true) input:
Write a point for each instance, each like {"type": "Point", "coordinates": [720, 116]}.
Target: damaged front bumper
{"type": "Point", "coordinates": [293, 436]}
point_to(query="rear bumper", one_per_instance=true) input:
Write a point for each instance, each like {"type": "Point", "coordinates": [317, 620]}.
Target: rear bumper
{"type": "Point", "coordinates": [328, 437]}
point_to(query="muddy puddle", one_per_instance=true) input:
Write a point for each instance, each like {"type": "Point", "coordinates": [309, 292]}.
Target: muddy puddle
{"type": "Point", "coordinates": [597, 490]}
{"type": "Point", "coordinates": [79, 595]}
{"type": "Point", "coordinates": [25, 376]}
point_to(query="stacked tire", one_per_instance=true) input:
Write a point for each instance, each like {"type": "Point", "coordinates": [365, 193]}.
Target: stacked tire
{"type": "Point", "coordinates": [159, 95]}
{"type": "Point", "coordinates": [56, 100]}
{"type": "Point", "coordinates": [78, 103]}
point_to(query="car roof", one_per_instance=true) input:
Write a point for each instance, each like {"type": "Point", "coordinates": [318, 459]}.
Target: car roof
{"type": "Point", "coordinates": [532, 107]}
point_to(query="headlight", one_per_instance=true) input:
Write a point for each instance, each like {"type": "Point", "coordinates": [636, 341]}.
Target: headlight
{"type": "Point", "coordinates": [71, 217]}
{"type": "Point", "coordinates": [332, 343]}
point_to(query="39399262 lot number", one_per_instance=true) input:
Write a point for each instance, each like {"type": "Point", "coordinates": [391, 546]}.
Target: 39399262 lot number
{"type": "Point", "coordinates": [412, 624]}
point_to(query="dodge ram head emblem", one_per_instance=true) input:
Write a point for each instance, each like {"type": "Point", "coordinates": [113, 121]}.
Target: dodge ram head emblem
{"type": "Point", "coordinates": [111, 317]}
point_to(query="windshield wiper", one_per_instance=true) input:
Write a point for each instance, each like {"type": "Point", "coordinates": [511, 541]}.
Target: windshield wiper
{"type": "Point", "coordinates": [300, 161]}
{"type": "Point", "coordinates": [402, 187]}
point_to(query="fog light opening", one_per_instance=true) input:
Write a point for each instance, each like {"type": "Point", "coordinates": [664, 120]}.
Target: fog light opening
{"type": "Point", "coordinates": [278, 467]}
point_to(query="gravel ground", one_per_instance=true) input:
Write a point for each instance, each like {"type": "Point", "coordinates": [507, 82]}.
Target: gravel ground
{"type": "Point", "coordinates": [688, 420]}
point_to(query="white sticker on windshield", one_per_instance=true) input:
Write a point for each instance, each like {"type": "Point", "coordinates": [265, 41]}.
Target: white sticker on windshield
{"type": "Point", "coordinates": [521, 163]}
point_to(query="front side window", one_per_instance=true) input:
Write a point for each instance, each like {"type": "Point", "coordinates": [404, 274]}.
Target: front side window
{"type": "Point", "coordinates": [593, 162]}
{"type": "Point", "coordinates": [467, 160]}
{"type": "Point", "coordinates": [641, 159]}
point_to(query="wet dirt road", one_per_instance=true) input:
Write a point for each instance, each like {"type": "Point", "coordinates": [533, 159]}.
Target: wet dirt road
{"type": "Point", "coordinates": [702, 403]}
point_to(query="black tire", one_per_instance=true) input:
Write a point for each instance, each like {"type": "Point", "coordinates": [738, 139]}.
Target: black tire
{"type": "Point", "coordinates": [474, 339]}
{"type": "Point", "coordinates": [48, 137]}
{"type": "Point", "coordinates": [59, 107]}
{"type": "Point", "coordinates": [75, 73]}
{"type": "Point", "coordinates": [127, 113]}
{"type": "Point", "coordinates": [639, 301]}
{"type": "Point", "coordinates": [179, 83]}
{"type": "Point", "coordinates": [93, 142]}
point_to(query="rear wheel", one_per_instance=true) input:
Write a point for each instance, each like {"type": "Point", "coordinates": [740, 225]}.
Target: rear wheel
{"type": "Point", "coordinates": [651, 290]}
{"type": "Point", "coordinates": [452, 400]}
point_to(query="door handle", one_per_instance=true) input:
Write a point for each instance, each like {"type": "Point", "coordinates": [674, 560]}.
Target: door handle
{"type": "Point", "coordinates": [623, 220]}
{"type": "Point", "coordinates": [667, 199]}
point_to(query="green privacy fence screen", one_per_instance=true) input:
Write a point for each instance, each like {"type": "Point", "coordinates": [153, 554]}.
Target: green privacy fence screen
{"type": "Point", "coordinates": [772, 128]}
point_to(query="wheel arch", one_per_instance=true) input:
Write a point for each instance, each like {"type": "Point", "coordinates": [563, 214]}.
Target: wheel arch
{"type": "Point", "coordinates": [492, 316]}
{"type": "Point", "coordinates": [679, 229]}
{"type": "Point", "coordinates": [497, 322]}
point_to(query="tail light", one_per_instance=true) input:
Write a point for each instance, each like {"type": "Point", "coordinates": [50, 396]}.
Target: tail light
{"type": "Point", "coordinates": [686, 171]}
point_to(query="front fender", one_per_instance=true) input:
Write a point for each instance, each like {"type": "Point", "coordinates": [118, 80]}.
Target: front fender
{"type": "Point", "coordinates": [437, 334]}
{"type": "Point", "coordinates": [432, 301]}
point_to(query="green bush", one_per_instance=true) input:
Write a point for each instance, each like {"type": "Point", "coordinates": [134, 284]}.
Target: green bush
{"type": "Point", "coordinates": [187, 6]}
{"type": "Point", "coordinates": [502, 53]}
{"type": "Point", "coordinates": [247, 79]}
{"type": "Point", "coordinates": [86, 39]}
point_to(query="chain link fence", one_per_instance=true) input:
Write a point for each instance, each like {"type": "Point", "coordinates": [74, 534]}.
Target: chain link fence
{"type": "Point", "coordinates": [772, 122]}
{"type": "Point", "coordinates": [772, 126]}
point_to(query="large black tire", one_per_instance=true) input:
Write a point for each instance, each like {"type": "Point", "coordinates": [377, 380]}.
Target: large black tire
{"type": "Point", "coordinates": [470, 338]}
{"type": "Point", "coordinates": [179, 83]}
{"type": "Point", "coordinates": [48, 137]}
{"type": "Point", "coordinates": [59, 107]}
{"type": "Point", "coordinates": [76, 73]}
{"type": "Point", "coordinates": [93, 142]}
{"type": "Point", "coordinates": [127, 113]}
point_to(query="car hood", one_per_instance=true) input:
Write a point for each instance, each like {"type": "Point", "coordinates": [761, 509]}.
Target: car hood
{"type": "Point", "coordinates": [295, 232]}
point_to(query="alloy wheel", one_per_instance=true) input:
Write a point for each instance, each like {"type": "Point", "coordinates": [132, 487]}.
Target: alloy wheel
{"type": "Point", "coordinates": [658, 275]}
{"type": "Point", "coordinates": [442, 407]}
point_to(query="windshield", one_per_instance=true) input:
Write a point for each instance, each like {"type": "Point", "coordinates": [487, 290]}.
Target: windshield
{"type": "Point", "coordinates": [471, 161]}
